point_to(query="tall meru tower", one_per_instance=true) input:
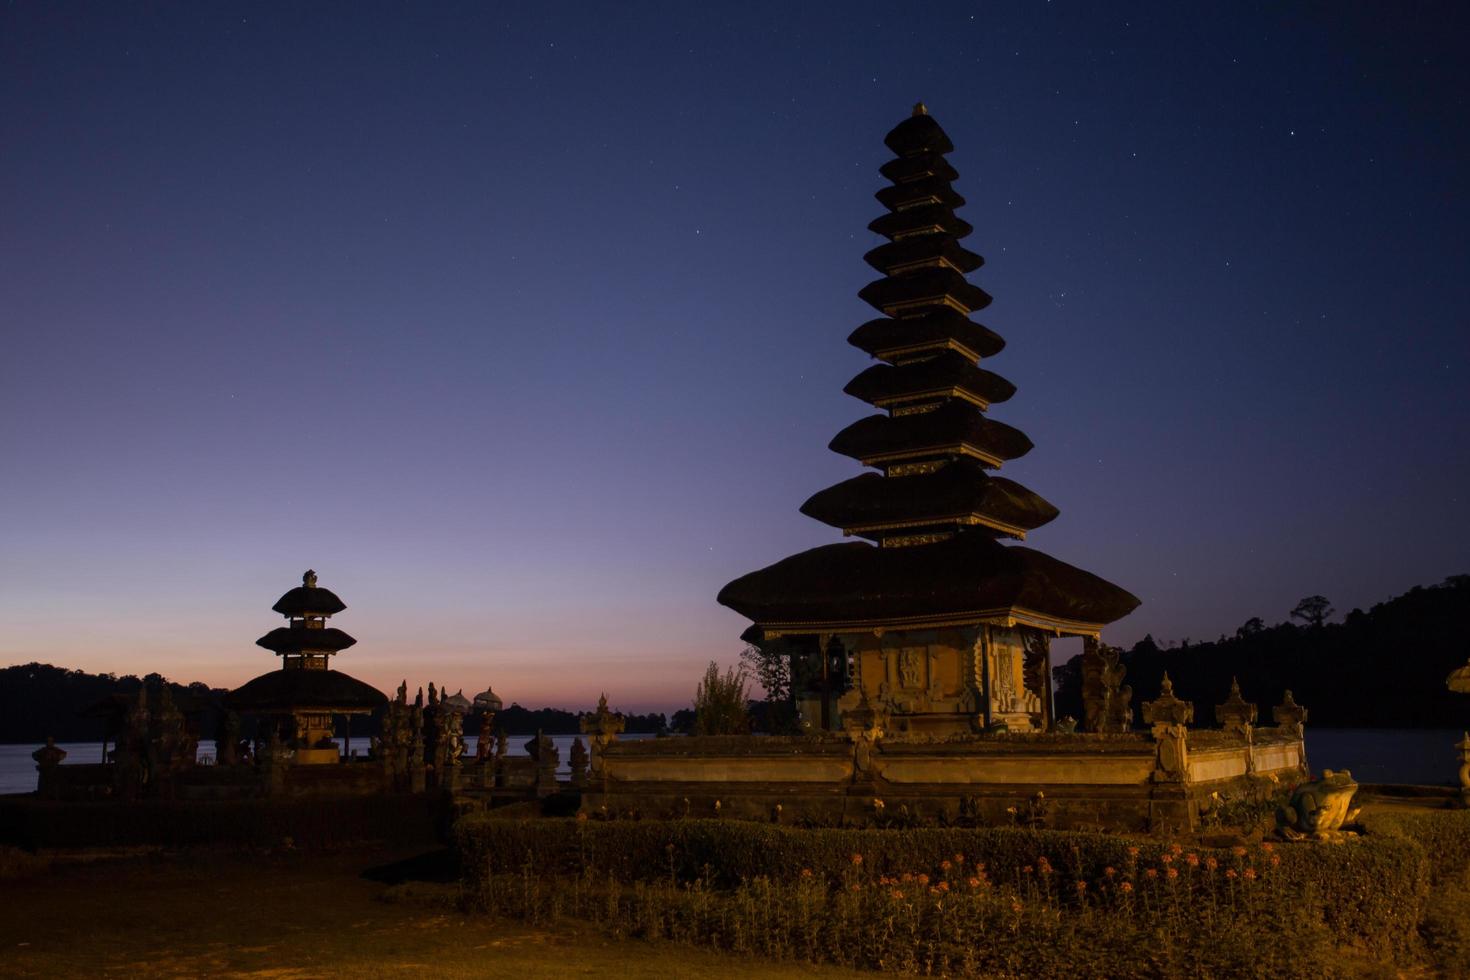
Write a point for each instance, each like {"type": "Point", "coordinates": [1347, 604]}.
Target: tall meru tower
{"type": "Point", "coordinates": [935, 626]}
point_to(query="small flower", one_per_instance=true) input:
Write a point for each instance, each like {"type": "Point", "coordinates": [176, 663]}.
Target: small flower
{"type": "Point", "coordinates": [1011, 810]}
{"type": "Point", "coordinates": [806, 872]}
{"type": "Point", "coordinates": [959, 859]}
{"type": "Point", "coordinates": [1175, 849]}
{"type": "Point", "coordinates": [896, 893]}
{"type": "Point", "coordinates": [1026, 870]}
{"type": "Point", "coordinates": [923, 879]}
{"type": "Point", "coordinates": [1267, 846]}
{"type": "Point", "coordinates": [857, 888]}
{"type": "Point", "coordinates": [1133, 852]}
{"type": "Point", "coordinates": [1249, 874]}
{"type": "Point", "coordinates": [943, 886]}
{"type": "Point", "coordinates": [1126, 887]}
{"type": "Point", "coordinates": [945, 865]}
{"type": "Point", "coordinates": [857, 859]}
{"type": "Point", "coordinates": [1173, 872]}
{"type": "Point", "coordinates": [1192, 860]}
{"type": "Point", "coordinates": [935, 891]}
{"type": "Point", "coordinates": [877, 804]}
{"type": "Point", "coordinates": [907, 877]}
{"type": "Point", "coordinates": [974, 882]}
{"type": "Point", "coordinates": [1230, 872]}
{"type": "Point", "coordinates": [1110, 871]}
{"type": "Point", "coordinates": [1166, 858]}
{"type": "Point", "coordinates": [1081, 887]}
{"type": "Point", "coordinates": [1211, 863]}
{"type": "Point", "coordinates": [1238, 851]}
{"type": "Point", "coordinates": [1152, 872]}
{"type": "Point", "coordinates": [1276, 860]}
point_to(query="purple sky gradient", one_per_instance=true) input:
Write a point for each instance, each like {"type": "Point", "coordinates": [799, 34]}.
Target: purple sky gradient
{"type": "Point", "coordinates": [525, 326]}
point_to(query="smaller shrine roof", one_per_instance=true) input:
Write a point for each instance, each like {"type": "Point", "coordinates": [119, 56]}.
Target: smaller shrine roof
{"type": "Point", "coordinates": [885, 337]}
{"type": "Point", "coordinates": [918, 135]}
{"type": "Point", "coordinates": [955, 427]}
{"type": "Point", "coordinates": [301, 639]}
{"type": "Point", "coordinates": [307, 599]}
{"type": "Point", "coordinates": [924, 288]}
{"type": "Point", "coordinates": [893, 258]}
{"type": "Point", "coordinates": [942, 374]}
{"type": "Point", "coordinates": [925, 190]}
{"type": "Point", "coordinates": [905, 169]}
{"type": "Point", "coordinates": [287, 690]}
{"type": "Point", "coordinates": [934, 219]}
{"type": "Point", "coordinates": [456, 702]}
{"type": "Point", "coordinates": [488, 699]}
{"type": "Point", "coordinates": [959, 492]}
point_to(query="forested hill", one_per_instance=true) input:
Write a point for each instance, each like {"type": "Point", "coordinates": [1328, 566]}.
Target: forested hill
{"type": "Point", "coordinates": [1384, 668]}
{"type": "Point", "coordinates": [37, 700]}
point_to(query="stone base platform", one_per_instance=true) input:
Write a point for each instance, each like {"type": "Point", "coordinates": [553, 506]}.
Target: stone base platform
{"type": "Point", "coordinates": [1112, 782]}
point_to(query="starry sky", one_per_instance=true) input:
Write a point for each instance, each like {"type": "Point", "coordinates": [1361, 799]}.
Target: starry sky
{"type": "Point", "coordinates": [524, 324]}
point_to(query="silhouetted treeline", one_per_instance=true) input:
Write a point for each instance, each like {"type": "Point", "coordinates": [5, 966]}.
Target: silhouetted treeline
{"type": "Point", "coordinates": [1384, 668]}
{"type": "Point", "coordinates": [37, 700]}
{"type": "Point", "coordinates": [516, 720]}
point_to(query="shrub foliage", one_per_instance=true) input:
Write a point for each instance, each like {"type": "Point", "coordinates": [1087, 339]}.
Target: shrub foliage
{"type": "Point", "coordinates": [993, 902]}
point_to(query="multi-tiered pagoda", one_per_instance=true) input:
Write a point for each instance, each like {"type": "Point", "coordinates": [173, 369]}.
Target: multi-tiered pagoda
{"type": "Point", "coordinates": [305, 694]}
{"type": "Point", "coordinates": [935, 625]}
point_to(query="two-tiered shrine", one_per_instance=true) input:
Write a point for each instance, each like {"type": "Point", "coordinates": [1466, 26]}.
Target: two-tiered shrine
{"type": "Point", "coordinates": [306, 694]}
{"type": "Point", "coordinates": [935, 626]}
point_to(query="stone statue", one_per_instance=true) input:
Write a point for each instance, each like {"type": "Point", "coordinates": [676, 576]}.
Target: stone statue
{"type": "Point", "coordinates": [49, 754]}
{"type": "Point", "coordinates": [484, 739]}
{"type": "Point", "coordinates": [1319, 810]}
{"type": "Point", "coordinates": [403, 691]}
{"type": "Point", "coordinates": [227, 740]}
{"type": "Point", "coordinates": [579, 764]}
{"type": "Point", "coordinates": [433, 695]}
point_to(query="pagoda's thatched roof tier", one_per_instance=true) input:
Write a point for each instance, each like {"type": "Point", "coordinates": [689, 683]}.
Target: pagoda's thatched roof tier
{"type": "Point", "coordinates": [968, 578]}
{"type": "Point", "coordinates": [309, 601]}
{"type": "Point", "coordinates": [945, 374]}
{"type": "Point", "coordinates": [955, 428]}
{"type": "Point", "coordinates": [923, 289]}
{"type": "Point", "coordinates": [914, 193]}
{"type": "Point", "coordinates": [918, 135]}
{"type": "Point", "coordinates": [960, 493]}
{"type": "Point", "coordinates": [925, 250]}
{"type": "Point", "coordinates": [935, 219]}
{"type": "Point", "coordinates": [889, 339]}
{"type": "Point", "coordinates": [905, 169]}
{"type": "Point", "coordinates": [291, 690]}
{"type": "Point", "coordinates": [300, 639]}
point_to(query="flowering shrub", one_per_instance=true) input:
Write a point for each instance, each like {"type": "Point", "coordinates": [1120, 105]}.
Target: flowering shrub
{"type": "Point", "coordinates": [993, 901]}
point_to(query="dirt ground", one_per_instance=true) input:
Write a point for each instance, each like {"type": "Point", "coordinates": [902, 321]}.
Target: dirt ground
{"type": "Point", "coordinates": [292, 916]}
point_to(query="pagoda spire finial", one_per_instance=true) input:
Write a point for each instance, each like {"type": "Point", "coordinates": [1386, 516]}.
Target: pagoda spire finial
{"type": "Point", "coordinates": [920, 109]}
{"type": "Point", "coordinates": [309, 579]}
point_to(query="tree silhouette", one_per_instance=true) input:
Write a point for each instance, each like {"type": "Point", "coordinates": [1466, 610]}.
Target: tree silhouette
{"type": "Point", "coordinates": [1313, 610]}
{"type": "Point", "coordinates": [1250, 627]}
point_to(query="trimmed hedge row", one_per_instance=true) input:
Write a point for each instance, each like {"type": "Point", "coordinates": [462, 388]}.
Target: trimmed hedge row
{"type": "Point", "coordinates": [320, 822]}
{"type": "Point", "coordinates": [1369, 893]}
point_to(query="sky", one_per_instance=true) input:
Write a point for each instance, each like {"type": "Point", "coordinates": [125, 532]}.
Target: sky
{"type": "Point", "coordinates": [524, 324]}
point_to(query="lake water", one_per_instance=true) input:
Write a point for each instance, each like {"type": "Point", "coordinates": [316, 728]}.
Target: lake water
{"type": "Point", "coordinates": [1375, 755]}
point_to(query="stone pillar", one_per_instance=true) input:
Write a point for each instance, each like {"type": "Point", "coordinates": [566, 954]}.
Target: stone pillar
{"type": "Point", "coordinates": [1237, 715]}
{"type": "Point", "coordinates": [602, 729]}
{"type": "Point", "coordinates": [579, 764]}
{"type": "Point", "coordinates": [1291, 719]}
{"type": "Point", "coordinates": [1169, 718]}
{"type": "Point", "coordinates": [417, 778]}
{"type": "Point", "coordinates": [543, 750]}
